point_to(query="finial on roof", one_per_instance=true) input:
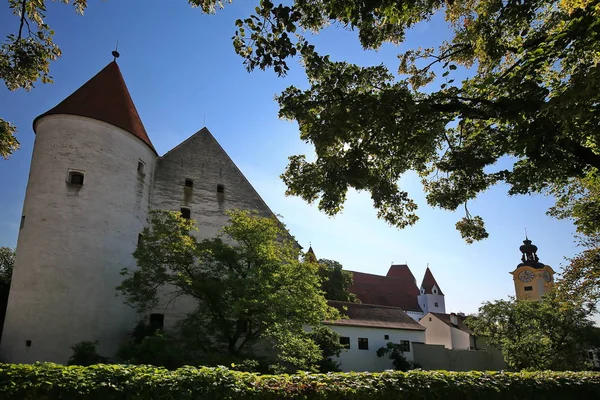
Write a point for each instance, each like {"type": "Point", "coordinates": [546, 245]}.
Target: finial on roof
{"type": "Point", "coordinates": [115, 52]}
{"type": "Point", "coordinates": [526, 234]}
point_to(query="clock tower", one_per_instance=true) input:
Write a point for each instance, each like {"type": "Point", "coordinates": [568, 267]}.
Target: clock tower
{"type": "Point", "coordinates": [532, 278]}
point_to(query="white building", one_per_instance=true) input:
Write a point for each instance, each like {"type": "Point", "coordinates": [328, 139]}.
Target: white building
{"type": "Point", "coordinates": [94, 177]}
{"type": "Point", "coordinates": [448, 330]}
{"type": "Point", "coordinates": [370, 327]}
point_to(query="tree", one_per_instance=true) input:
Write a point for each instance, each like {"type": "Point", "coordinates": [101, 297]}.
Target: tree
{"type": "Point", "coordinates": [335, 281]}
{"type": "Point", "coordinates": [85, 353]}
{"type": "Point", "coordinates": [248, 285]}
{"type": "Point", "coordinates": [531, 100]}
{"type": "Point", "coordinates": [7, 263]}
{"type": "Point", "coordinates": [329, 344]}
{"type": "Point", "coordinates": [538, 335]}
{"type": "Point", "coordinates": [395, 353]}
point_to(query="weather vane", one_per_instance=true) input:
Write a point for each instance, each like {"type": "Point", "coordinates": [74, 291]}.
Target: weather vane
{"type": "Point", "coordinates": [115, 52]}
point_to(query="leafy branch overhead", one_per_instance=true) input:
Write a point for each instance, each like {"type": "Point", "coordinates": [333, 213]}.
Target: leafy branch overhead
{"type": "Point", "coordinates": [527, 115]}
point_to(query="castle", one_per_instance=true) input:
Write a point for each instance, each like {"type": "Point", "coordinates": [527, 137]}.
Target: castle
{"type": "Point", "coordinates": [94, 177]}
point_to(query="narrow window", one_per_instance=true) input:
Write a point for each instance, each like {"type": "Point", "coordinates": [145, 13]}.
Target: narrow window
{"type": "Point", "coordinates": [75, 178]}
{"type": "Point", "coordinates": [22, 222]}
{"type": "Point", "coordinates": [189, 183]}
{"type": "Point", "coordinates": [528, 288]}
{"type": "Point", "coordinates": [430, 318]}
{"type": "Point", "coordinates": [140, 238]}
{"type": "Point", "coordinates": [220, 188]}
{"type": "Point", "coordinates": [386, 337]}
{"type": "Point", "coordinates": [404, 345]}
{"type": "Point", "coordinates": [157, 321]}
{"type": "Point", "coordinates": [186, 213]}
{"type": "Point", "coordinates": [141, 167]}
{"type": "Point", "coordinates": [28, 343]}
{"type": "Point", "coordinates": [434, 291]}
{"type": "Point", "coordinates": [345, 342]}
{"type": "Point", "coordinates": [363, 343]}
{"type": "Point", "coordinates": [435, 304]}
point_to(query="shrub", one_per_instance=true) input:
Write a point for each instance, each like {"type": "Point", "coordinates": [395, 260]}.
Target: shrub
{"type": "Point", "coordinates": [117, 382]}
{"type": "Point", "coordinates": [84, 353]}
{"type": "Point", "coordinates": [395, 353]}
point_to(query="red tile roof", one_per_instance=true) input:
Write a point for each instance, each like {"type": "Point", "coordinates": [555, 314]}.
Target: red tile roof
{"type": "Point", "coordinates": [374, 316]}
{"type": "Point", "coordinates": [397, 289]}
{"type": "Point", "coordinates": [105, 98]}
{"type": "Point", "coordinates": [429, 282]}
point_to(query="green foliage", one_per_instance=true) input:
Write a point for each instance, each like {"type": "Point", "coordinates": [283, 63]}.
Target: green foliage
{"type": "Point", "coordinates": [25, 57]}
{"type": "Point", "coordinates": [158, 349]}
{"type": "Point", "coordinates": [553, 333]}
{"type": "Point", "coordinates": [335, 281]}
{"type": "Point", "coordinates": [395, 353]}
{"type": "Point", "coordinates": [85, 354]}
{"type": "Point", "coordinates": [7, 263]}
{"type": "Point", "coordinates": [330, 346]}
{"type": "Point", "coordinates": [248, 284]}
{"type": "Point", "coordinates": [526, 115]}
{"type": "Point", "coordinates": [116, 382]}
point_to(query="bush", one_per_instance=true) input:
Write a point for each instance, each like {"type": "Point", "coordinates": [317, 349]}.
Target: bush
{"type": "Point", "coordinates": [395, 353]}
{"type": "Point", "coordinates": [117, 382]}
{"type": "Point", "coordinates": [84, 353]}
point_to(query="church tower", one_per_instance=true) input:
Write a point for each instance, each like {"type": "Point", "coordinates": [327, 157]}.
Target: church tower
{"type": "Point", "coordinates": [86, 202]}
{"type": "Point", "coordinates": [431, 298]}
{"type": "Point", "coordinates": [532, 278]}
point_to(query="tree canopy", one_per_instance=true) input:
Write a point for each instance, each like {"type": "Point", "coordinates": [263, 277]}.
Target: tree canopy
{"type": "Point", "coordinates": [7, 263]}
{"type": "Point", "coordinates": [551, 334]}
{"type": "Point", "coordinates": [248, 286]}
{"type": "Point", "coordinates": [527, 114]}
{"type": "Point", "coordinates": [336, 282]}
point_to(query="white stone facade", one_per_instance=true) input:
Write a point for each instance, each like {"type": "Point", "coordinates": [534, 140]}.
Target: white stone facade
{"type": "Point", "coordinates": [433, 302]}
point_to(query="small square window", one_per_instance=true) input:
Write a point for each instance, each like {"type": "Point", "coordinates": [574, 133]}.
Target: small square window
{"type": "Point", "coordinates": [186, 213]}
{"type": "Point", "coordinates": [345, 342]}
{"type": "Point", "coordinates": [363, 343]}
{"type": "Point", "coordinates": [220, 188]}
{"type": "Point", "coordinates": [22, 222]}
{"type": "Point", "coordinates": [404, 345]}
{"type": "Point", "coordinates": [28, 343]}
{"type": "Point", "coordinates": [157, 321]}
{"type": "Point", "coordinates": [141, 167]}
{"type": "Point", "coordinates": [528, 288]}
{"type": "Point", "coordinates": [75, 178]}
{"type": "Point", "coordinates": [189, 183]}
{"type": "Point", "coordinates": [386, 337]}
{"type": "Point", "coordinates": [435, 304]}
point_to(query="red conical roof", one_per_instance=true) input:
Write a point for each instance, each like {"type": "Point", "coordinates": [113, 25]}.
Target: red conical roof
{"type": "Point", "coordinates": [429, 282]}
{"type": "Point", "coordinates": [104, 97]}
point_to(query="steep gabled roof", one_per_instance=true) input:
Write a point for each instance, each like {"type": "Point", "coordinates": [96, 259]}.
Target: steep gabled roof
{"type": "Point", "coordinates": [397, 290]}
{"type": "Point", "coordinates": [374, 316]}
{"type": "Point", "coordinates": [105, 98]}
{"type": "Point", "coordinates": [429, 282]}
{"type": "Point", "coordinates": [445, 318]}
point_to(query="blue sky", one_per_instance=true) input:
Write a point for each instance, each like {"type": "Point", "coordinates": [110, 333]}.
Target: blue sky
{"type": "Point", "coordinates": [183, 73]}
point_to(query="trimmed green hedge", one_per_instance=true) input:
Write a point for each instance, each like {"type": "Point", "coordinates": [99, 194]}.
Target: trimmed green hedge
{"type": "Point", "coordinates": [111, 382]}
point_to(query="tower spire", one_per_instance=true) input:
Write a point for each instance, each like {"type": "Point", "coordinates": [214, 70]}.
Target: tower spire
{"type": "Point", "coordinates": [115, 52]}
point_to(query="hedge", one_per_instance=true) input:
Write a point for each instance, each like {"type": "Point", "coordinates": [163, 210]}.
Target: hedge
{"type": "Point", "coordinates": [111, 382]}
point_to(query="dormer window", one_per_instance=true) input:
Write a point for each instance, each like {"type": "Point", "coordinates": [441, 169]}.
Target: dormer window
{"type": "Point", "coordinates": [422, 291]}
{"type": "Point", "coordinates": [434, 291]}
{"type": "Point", "coordinates": [75, 178]}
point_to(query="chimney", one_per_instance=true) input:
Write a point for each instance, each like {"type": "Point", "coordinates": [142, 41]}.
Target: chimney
{"type": "Point", "coordinates": [453, 319]}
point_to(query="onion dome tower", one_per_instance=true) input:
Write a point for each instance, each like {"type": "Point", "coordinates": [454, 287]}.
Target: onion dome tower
{"type": "Point", "coordinates": [532, 278]}
{"type": "Point", "coordinates": [86, 202]}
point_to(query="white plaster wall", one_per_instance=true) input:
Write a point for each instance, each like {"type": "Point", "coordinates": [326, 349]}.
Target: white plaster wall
{"type": "Point", "coordinates": [460, 340]}
{"type": "Point", "coordinates": [75, 240]}
{"type": "Point", "coordinates": [415, 315]}
{"type": "Point", "coordinates": [354, 359]}
{"type": "Point", "coordinates": [427, 302]}
{"type": "Point", "coordinates": [436, 332]}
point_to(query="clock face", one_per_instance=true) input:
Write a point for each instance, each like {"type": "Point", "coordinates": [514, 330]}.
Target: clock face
{"type": "Point", "coordinates": [526, 276]}
{"type": "Point", "coordinates": [547, 276]}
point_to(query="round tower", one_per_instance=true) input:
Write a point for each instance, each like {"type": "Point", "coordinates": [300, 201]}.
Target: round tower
{"type": "Point", "coordinates": [532, 278]}
{"type": "Point", "coordinates": [86, 202]}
